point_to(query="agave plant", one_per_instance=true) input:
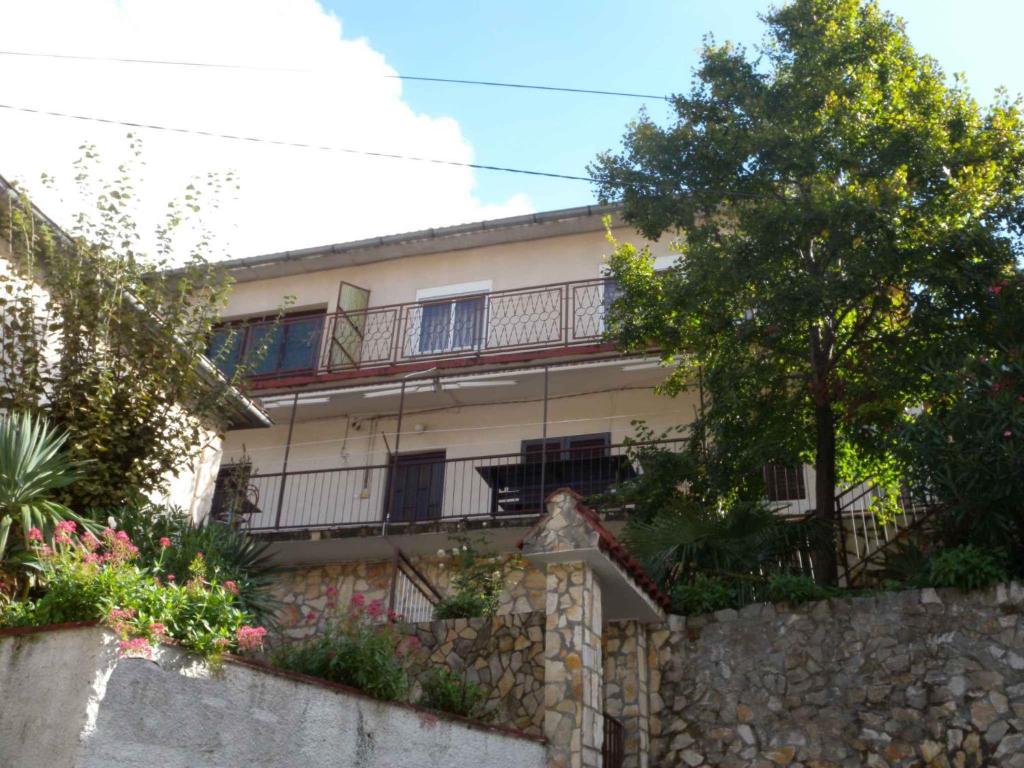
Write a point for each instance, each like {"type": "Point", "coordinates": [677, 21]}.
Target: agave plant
{"type": "Point", "coordinates": [33, 467]}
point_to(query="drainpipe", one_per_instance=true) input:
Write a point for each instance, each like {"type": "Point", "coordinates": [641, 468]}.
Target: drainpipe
{"type": "Point", "coordinates": [544, 442]}
{"type": "Point", "coordinates": [394, 462]}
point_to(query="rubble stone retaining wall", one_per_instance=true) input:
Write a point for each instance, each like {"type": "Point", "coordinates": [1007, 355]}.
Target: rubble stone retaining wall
{"type": "Point", "coordinates": [916, 678]}
{"type": "Point", "coordinates": [503, 654]}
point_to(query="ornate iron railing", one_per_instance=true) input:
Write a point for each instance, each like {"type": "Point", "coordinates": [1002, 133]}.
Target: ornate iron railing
{"type": "Point", "coordinates": [517, 320]}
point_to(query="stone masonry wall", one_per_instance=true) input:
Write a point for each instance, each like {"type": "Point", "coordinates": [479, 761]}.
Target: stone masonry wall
{"type": "Point", "coordinates": [503, 654]}
{"type": "Point", "coordinates": [310, 595]}
{"type": "Point", "coordinates": [916, 678]}
{"type": "Point", "coordinates": [626, 687]}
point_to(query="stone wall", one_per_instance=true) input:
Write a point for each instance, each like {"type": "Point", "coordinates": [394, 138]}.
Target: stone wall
{"type": "Point", "coordinates": [503, 654]}
{"type": "Point", "coordinates": [627, 677]}
{"type": "Point", "coordinates": [916, 678]}
{"type": "Point", "coordinates": [310, 596]}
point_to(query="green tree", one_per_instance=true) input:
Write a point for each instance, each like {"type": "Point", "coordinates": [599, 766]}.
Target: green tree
{"type": "Point", "coordinates": [842, 210]}
{"type": "Point", "coordinates": [112, 350]}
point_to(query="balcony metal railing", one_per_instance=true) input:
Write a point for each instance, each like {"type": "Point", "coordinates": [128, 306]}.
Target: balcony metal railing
{"type": "Point", "coordinates": [516, 320]}
{"type": "Point", "coordinates": [411, 489]}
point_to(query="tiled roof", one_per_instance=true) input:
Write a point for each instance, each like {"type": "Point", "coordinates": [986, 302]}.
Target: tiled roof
{"type": "Point", "coordinates": [615, 550]}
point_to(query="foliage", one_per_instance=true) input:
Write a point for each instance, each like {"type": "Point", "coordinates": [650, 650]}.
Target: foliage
{"type": "Point", "coordinates": [966, 567]}
{"type": "Point", "coordinates": [704, 594]}
{"type": "Point", "coordinates": [966, 448]}
{"type": "Point", "coordinates": [446, 691]}
{"type": "Point", "coordinates": [477, 582]}
{"type": "Point", "coordinates": [231, 556]}
{"type": "Point", "coordinates": [131, 334]}
{"type": "Point", "coordinates": [33, 469]}
{"type": "Point", "coordinates": [85, 578]}
{"type": "Point", "coordinates": [361, 649]}
{"type": "Point", "coordinates": [700, 533]}
{"type": "Point", "coordinates": [795, 589]}
{"type": "Point", "coordinates": [844, 211]}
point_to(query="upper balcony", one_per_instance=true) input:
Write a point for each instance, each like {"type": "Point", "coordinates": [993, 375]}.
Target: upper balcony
{"type": "Point", "coordinates": [472, 328]}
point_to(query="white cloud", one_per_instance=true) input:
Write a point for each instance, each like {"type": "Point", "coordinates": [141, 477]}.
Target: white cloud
{"type": "Point", "coordinates": [288, 198]}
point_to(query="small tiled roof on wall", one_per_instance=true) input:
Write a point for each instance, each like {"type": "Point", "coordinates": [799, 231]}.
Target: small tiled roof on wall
{"type": "Point", "coordinates": [610, 545]}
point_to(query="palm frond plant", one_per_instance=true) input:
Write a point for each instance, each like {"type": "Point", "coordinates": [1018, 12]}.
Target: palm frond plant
{"type": "Point", "coordinates": [33, 468]}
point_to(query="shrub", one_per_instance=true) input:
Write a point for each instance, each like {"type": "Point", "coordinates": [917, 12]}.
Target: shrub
{"type": "Point", "coordinates": [231, 556]}
{"type": "Point", "coordinates": [446, 691]}
{"type": "Point", "coordinates": [789, 588]}
{"type": "Point", "coordinates": [477, 583]}
{"type": "Point", "coordinates": [966, 567]}
{"type": "Point", "coordinates": [704, 594]}
{"type": "Point", "coordinates": [361, 650]}
{"type": "Point", "coordinates": [89, 578]}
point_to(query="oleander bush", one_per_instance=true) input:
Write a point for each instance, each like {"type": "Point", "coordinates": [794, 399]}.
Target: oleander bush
{"type": "Point", "coordinates": [363, 649]}
{"type": "Point", "coordinates": [84, 577]}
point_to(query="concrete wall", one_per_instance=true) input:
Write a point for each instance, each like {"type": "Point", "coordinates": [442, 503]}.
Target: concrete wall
{"type": "Point", "coordinates": [902, 679]}
{"type": "Point", "coordinates": [176, 714]}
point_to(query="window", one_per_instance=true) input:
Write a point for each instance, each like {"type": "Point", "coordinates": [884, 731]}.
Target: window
{"type": "Point", "coordinates": [784, 483]}
{"type": "Point", "coordinates": [449, 318]}
{"type": "Point", "coordinates": [287, 345]}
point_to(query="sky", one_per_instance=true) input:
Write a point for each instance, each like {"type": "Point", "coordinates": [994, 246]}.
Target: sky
{"type": "Point", "coordinates": [322, 73]}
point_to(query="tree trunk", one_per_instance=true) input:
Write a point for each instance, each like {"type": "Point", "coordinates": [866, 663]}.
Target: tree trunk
{"type": "Point", "coordinates": [825, 561]}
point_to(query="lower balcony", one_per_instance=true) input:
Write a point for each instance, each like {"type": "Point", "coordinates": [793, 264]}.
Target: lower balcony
{"type": "Point", "coordinates": [424, 488]}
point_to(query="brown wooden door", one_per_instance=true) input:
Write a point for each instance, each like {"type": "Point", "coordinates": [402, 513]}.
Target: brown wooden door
{"type": "Point", "coordinates": [417, 487]}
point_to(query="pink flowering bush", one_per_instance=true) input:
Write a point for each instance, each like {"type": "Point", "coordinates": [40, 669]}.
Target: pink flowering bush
{"type": "Point", "coordinates": [359, 650]}
{"type": "Point", "coordinates": [84, 577]}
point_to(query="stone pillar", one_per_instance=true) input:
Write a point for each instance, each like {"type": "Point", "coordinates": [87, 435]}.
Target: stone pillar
{"type": "Point", "coordinates": [573, 672]}
{"type": "Point", "coordinates": [626, 685]}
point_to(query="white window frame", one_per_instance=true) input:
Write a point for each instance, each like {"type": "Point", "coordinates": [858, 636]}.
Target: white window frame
{"type": "Point", "coordinates": [438, 295]}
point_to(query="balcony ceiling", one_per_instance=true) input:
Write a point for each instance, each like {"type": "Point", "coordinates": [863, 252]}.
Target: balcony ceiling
{"type": "Point", "coordinates": [424, 393]}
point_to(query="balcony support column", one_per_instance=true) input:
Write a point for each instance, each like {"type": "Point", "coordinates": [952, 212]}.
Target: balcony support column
{"type": "Point", "coordinates": [284, 464]}
{"type": "Point", "coordinates": [544, 439]}
{"type": "Point", "coordinates": [394, 460]}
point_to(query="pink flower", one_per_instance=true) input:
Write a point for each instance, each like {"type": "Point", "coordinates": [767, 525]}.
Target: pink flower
{"type": "Point", "coordinates": [121, 536]}
{"type": "Point", "coordinates": [358, 600]}
{"type": "Point", "coordinates": [137, 646]}
{"type": "Point", "coordinates": [119, 620]}
{"type": "Point", "coordinates": [90, 542]}
{"type": "Point", "coordinates": [311, 617]}
{"type": "Point", "coordinates": [250, 638]}
{"type": "Point", "coordinates": [231, 587]}
{"type": "Point", "coordinates": [158, 630]}
{"type": "Point", "coordinates": [170, 577]}
{"type": "Point", "coordinates": [1008, 433]}
{"type": "Point", "coordinates": [34, 534]}
{"type": "Point", "coordinates": [376, 609]}
{"type": "Point", "coordinates": [68, 526]}
{"type": "Point", "coordinates": [331, 591]}
{"type": "Point", "coordinates": [45, 551]}
{"type": "Point", "coordinates": [164, 542]}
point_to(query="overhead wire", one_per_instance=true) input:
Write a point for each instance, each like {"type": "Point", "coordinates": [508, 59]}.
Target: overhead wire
{"type": "Point", "coordinates": [415, 78]}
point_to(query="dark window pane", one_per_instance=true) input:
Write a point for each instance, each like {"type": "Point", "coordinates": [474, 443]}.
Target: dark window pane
{"type": "Point", "coordinates": [784, 483]}
{"type": "Point", "coordinates": [301, 344]}
{"type": "Point", "coordinates": [272, 336]}
{"type": "Point", "coordinates": [224, 348]}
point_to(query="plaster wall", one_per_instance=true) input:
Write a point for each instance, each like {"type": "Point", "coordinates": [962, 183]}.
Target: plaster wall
{"type": "Point", "coordinates": [176, 714]}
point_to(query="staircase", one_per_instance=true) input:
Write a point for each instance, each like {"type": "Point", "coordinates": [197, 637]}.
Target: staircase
{"type": "Point", "coordinates": [865, 539]}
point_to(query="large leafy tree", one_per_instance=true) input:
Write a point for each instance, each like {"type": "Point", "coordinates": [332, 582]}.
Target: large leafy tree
{"type": "Point", "coordinates": [842, 210]}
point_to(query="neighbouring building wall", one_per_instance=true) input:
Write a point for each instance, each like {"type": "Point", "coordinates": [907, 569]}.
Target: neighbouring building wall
{"type": "Point", "coordinates": [916, 678]}
{"type": "Point", "coordinates": [312, 597]}
{"type": "Point", "coordinates": [68, 701]}
{"type": "Point", "coordinates": [191, 489]}
{"type": "Point", "coordinates": [502, 654]}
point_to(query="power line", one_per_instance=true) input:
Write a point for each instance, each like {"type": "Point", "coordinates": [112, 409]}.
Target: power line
{"type": "Point", "coordinates": [115, 59]}
{"type": "Point", "coordinates": [416, 78]}
{"type": "Point", "coordinates": [561, 89]}
{"type": "Point", "coordinates": [296, 144]}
